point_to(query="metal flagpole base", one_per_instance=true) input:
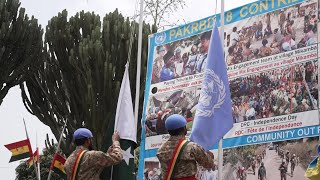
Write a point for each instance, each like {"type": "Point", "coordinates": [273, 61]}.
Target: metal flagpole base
{"type": "Point", "coordinates": [220, 160]}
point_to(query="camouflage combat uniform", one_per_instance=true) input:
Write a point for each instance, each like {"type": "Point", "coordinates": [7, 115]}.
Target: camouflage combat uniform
{"type": "Point", "coordinates": [187, 164]}
{"type": "Point", "coordinates": [93, 162]}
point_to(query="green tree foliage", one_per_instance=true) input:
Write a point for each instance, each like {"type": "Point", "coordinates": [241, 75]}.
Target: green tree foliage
{"type": "Point", "coordinates": [20, 45]}
{"type": "Point", "coordinates": [23, 172]}
{"type": "Point", "coordinates": [81, 77]}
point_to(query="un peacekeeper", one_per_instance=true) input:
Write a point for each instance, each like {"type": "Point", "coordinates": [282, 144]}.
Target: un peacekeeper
{"type": "Point", "coordinates": [190, 154]}
{"type": "Point", "coordinates": [86, 164]}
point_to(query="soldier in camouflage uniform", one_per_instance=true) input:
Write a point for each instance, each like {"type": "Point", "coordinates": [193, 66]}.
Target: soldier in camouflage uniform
{"type": "Point", "coordinates": [184, 101]}
{"type": "Point", "coordinates": [92, 162]}
{"type": "Point", "coordinates": [191, 155]}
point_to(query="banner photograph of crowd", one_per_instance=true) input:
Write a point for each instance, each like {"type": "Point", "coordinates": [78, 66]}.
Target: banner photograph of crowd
{"type": "Point", "coordinates": [256, 37]}
{"type": "Point", "coordinates": [275, 92]}
{"type": "Point", "coordinates": [272, 33]}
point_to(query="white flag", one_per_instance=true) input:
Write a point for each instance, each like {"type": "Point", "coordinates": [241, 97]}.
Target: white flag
{"type": "Point", "coordinates": [124, 122]}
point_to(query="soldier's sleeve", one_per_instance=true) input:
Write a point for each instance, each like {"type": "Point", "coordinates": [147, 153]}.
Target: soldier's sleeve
{"type": "Point", "coordinates": [109, 159]}
{"type": "Point", "coordinates": [202, 158]}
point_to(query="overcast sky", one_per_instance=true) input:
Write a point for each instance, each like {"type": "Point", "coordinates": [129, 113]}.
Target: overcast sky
{"type": "Point", "coordinates": [12, 110]}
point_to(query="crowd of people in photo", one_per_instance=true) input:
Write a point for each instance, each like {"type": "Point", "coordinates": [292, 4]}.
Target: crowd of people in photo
{"type": "Point", "coordinates": [271, 34]}
{"type": "Point", "coordinates": [203, 174]}
{"type": "Point", "coordinates": [182, 58]}
{"type": "Point", "coordinates": [207, 174]}
{"type": "Point", "coordinates": [255, 164]}
{"type": "Point", "coordinates": [286, 158]}
{"type": "Point", "coordinates": [180, 102]}
{"type": "Point", "coordinates": [261, 39]}
{"type": "Point", "coordinates": [252, 162]}
{"type": "Point", "coordinates": [153, 174]}
{"type": "Point", "coordinates": [275, 92]}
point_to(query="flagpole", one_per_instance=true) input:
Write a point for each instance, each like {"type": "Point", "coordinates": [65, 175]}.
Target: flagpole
{"type": "Point", "coordinates": [220, 150]}
{"type": "Point", "coordinates": [38, 156]}
{"type": "Point", "coordinates": [58, 148]}
{"type": "Point", "coordinates": [136, 106]}
{"type": "Point", "coordinates": [138, 69]}
{"type": "Point", "coordinates": [25, 128]}
{"type": "Point", "coordinates": [34, 164]}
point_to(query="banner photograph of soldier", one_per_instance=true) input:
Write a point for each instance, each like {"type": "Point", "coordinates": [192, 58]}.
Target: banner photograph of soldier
{"type": "Point", "coordinates": [282, 91]}
{"type": "Point", "coordinates": [180, 58]}
{"type": "Point", "coordinates": [272, 33]}
{"type": "Point", "coordinates": [161, 106]}
{"type": "Point", "coordinates": [279, 160]}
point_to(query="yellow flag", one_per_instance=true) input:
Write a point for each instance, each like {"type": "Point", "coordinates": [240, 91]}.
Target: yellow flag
{"type": "Point", "coordinates": [313, 171]}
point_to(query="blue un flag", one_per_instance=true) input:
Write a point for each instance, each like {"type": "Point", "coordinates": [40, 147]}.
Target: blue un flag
{"type": "Point", "coordinates": [213, 117]}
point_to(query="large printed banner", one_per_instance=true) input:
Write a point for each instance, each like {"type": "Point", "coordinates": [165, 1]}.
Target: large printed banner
{"type": "Point", "coordinates": [271, 50]}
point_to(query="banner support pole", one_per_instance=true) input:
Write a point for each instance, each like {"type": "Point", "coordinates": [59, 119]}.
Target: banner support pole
{"type": "Point", "coordinates": [220, 150]}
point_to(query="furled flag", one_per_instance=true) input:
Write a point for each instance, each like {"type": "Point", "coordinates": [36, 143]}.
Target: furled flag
{"type": "Point", "coordinates": [213, 118]}
{"type": "Point", "coordinates": [57, 165]}
{"type": "Point", "coordinates": [313, 170]}
{"type": "Point", "coordinates": [35, 157]}
{"type": "Point", "coordinates": [20, 150]}
{"type": "Point", "coordinates": [125, 125]}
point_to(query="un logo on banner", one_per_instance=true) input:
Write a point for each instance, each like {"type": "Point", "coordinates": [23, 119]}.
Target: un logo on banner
{"type": "Point", "coordinates": [213, 94]}
{"type": "Point", "coordinates": [160, 38]}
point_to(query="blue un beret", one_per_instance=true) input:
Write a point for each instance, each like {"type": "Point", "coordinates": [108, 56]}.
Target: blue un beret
{"type": "Point", "coordinates": [82, 133]}
{"type": "Point", "coordinates": [175, 121]}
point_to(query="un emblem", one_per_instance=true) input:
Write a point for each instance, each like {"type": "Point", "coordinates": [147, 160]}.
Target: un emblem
{"type": "Point", "coordinates": [160, 38]}
{"type": "Point", "coordinates": [212, 95]}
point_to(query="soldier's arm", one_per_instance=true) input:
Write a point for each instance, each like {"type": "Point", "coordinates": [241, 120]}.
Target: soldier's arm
{"type": "Point", "coordinates": [114, 156]}
{"type": "Point", "coordinates": [203, 159]}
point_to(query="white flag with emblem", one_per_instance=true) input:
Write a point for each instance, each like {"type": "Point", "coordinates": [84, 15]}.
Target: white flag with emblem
{"type": "Point", "coordinates": [124, 122]}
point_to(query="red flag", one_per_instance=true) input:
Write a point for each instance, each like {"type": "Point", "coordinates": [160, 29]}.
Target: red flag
{"type": "Point", "coordinates": [57, 164]}
{"type": "Point", "coordinates": [36, 158]}
{"type": "Point", "coordinates": [20, 150]}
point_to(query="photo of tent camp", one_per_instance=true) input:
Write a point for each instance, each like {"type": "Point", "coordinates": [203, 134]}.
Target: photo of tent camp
{"type": "Point", "coordinates": [276, 92]}
{"type": "Point", "coordinates": [272, 33]}
{"type": "Point", "coordinates": [284, 158]}
{"type": "Point", "coordinates": [161, 106]}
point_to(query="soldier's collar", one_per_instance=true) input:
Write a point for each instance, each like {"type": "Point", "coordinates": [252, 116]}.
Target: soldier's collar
{"type": "Point", "coordinates": [176, 138]}
{"type": "Point", "coordinates": [81, 147]}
